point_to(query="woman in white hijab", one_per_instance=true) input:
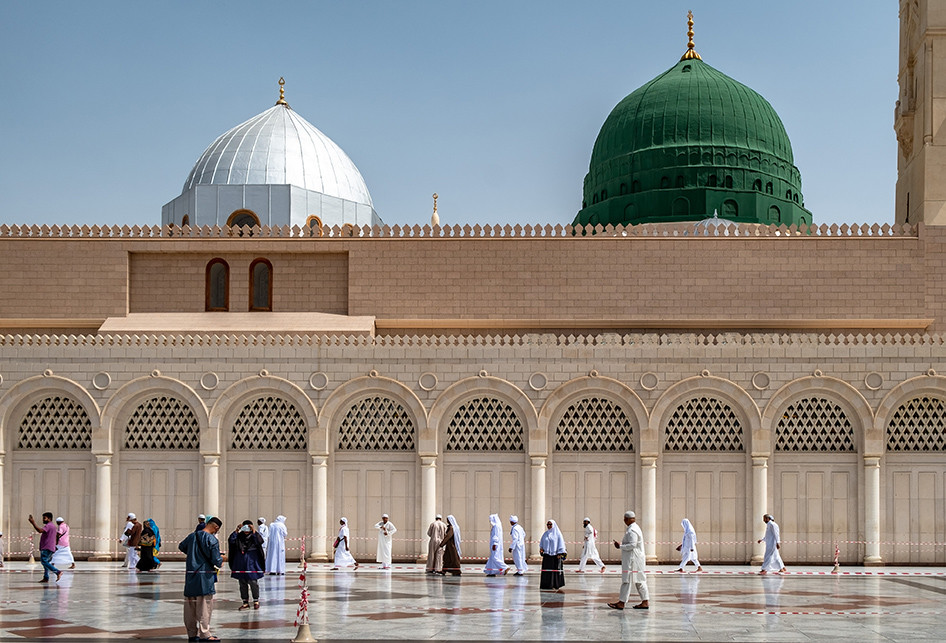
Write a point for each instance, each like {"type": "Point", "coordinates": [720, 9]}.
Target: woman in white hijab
{"type": "Point", "coordinates": [687, 548]}
{"type": "Point", "coordinates": [495, 565]}
{"type": "Point", "coordinates": [451, 548]}
{"type": "Point", "coordinates": [343, 557]}
{"type": "Point", "coordinates": [552, 548]}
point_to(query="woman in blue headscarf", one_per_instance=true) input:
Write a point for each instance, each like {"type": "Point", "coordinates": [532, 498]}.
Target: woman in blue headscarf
{"type": "Point", "coordinates": [157, 541]}
{"type": "Point", "coordinates": [552, 548]}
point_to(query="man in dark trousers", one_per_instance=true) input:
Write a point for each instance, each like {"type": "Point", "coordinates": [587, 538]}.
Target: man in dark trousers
{"type": "Point", "coordinates": [202, 563]}
{"type": "Point", "coordinates": [47, 545]}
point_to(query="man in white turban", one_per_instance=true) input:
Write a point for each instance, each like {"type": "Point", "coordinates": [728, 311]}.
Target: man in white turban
{"type": "Point", "coordinates": [773, 560]}
{"type": "Point", "coordinates": [435, 532]}
{"type": "Point", "coordinates": [518, 546]}
{"type": "Point", "coordinates": [687, 548]}
{"type": "Point", "coordinates": [63, 555]}
{"type": "Point", "coordinates": [495, 565]}
{"type": "Point", "coordinates": [589, 548]}
{"type": "Point", "coordinates": [386, 531]}
{"type": "Point", "coordinates": [633, 561]}
{"type": "Point", "coordinates": [276, 547]}
{"type": "Point", "coordinates": [263, 530]}
{"type": "Point", "coordinates": [343, 557]}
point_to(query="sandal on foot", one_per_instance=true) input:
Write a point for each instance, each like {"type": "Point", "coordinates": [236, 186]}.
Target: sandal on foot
{"type": "Point", "coordinates": [615, 606]}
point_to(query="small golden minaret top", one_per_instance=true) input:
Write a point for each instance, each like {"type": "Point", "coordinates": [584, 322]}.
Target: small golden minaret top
{"type": "Point", "coordinates": [282, 92]}
{"type": "Point", "coordinates": [435, 218]}
{"type": "Point", "coordinates": [691, 51]}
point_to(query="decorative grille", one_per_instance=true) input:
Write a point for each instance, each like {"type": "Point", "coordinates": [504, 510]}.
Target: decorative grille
{"type": "Point", "coordinates": [484, 424]}
{"type": "Point", "coordinates": [57, 422]}
{"type": "Point", "coordinates": [594, 424]}
{"type": "Point", "coordinates": [814, 424]}
{"type": "Point", "coordinates": [376, 424]}
{"type": "Point", "coordinates": [918, 425]}
{"type": "Point", "coordinates": [162, 422]}
{"type": "Point", "coordinates": [703, 424]}
{"type": "Point", "coordinates": [269, 423]}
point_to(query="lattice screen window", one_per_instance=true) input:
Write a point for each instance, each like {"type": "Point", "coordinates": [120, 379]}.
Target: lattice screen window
{"type": "Point", "coordinates": [162, 422]}
{"type": "Point", "coordinates": [376, 424]}
{"type": "Point", "coordinates": [594, 424]}
{"type": "Point", "coordinates": [814, 424]}
{"type": "Point", "coordinates": [485, 424]}
{"type": "Point", "coordinates": [269, 423]}
{"type": "Point", "coordinates": [703, 424]}
{"type": "Point", "coordinates": [57, 422]}
{"type": "Point", "coordinates": [918, 425]}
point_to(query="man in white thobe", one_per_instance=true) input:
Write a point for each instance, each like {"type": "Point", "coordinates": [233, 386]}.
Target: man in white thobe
{"type": "Point", "coordinates": [386, 530]}
{"type": "Point", "coordinates": [63, 555]}
{"type": "Point", "coordinates": [263, 530]}
{"type": "Point", "coordinates": [632, 564]}
{"type": "Point", "coordinates": [436, 532]}
{"type": "Point", "coordinates": [589, 548]}
{"type": "Point", "coordinates": [773, 560]}
{"type": "Point", "coordinates": [276, 547]}
{"type": "Point", "coordinates": [518, 546]}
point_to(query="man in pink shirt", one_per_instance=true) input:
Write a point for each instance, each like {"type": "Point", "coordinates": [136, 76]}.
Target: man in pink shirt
{"type": "Point", "coordinates": [47, 545]}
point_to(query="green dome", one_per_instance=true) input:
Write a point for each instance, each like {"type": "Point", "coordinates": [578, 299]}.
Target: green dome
{"type": "Point", "coordinates": [689, 143]}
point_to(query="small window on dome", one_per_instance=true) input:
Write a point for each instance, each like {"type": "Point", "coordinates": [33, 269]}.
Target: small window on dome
{"type": "Point", "coordinates": [757, 185]}
{"type": "Point", "coordinates": [788, 195]}
{"type": "Point", "coordinates": [604, 195]}
{"type": "Point", "coordinates": [186, 220]}
{"type": "Point", "coordinates": [795, 197]}
{"type": "Point", "coordinates": [664, 182]}
{"type": "Point", "coordinates": [680, 207]}
{"type": "Point", "coordinates": [681, 182]}
{"type": "Point", "coordinates": [636, 186]}
{"type": "Point", "coordinates": [624, 188]}
{"type": "Point", "coordinates": [261, 285]}
{"type": "Point", "coordinates": [314, 224]}
{"type": "Point", "coordinates": [243, 219]}
{"type": "Point", "coordinates": [728, 182]}
{"type": "Point", "coordinates": [685, 69]}
{"type": "Point", "coordinates": [217, 286]}
{"type": "Point", "coordinates": [730, 209]}
{"type": "Point", "coordinates": [768, 188]}
{"type": "Point", "coordinates": [711, 182]}
{"type": "Point", "coordinates": [775, 215]}
{"type": "Point", "coordinates": [594, 199]}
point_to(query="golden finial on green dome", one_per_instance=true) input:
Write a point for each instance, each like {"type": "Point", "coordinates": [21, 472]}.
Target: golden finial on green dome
{"type": "Point", "coordinates": [691, 51]}
{"type": "Point", "coordinates": [282, 92]}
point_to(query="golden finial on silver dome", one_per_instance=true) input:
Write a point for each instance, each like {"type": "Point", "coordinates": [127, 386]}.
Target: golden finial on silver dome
{"type": "Point", "coordinates": [282, 92]}
{"type": "Point", "coordinates": [691, 48]}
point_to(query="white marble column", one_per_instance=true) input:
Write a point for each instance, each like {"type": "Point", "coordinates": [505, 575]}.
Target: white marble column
{"type": "Point", "coordinates": [538, 504]}
{"type": "Point", "coordinates": [211, 485]}
{"type": "Point", "coordinates": [872, 511]}
{"type": "Point", "coordinates": [103, 509]}
{"type": "Point", "coordinates": [760, 504]}
{"type": "Point", "coordinates": [648, 511]}
{"type": "Point", "coordinates": [3, 497]}
{"type": "Point", "coordinates": [319, 544]}
{"type": "Point", "coordinates": [428, 501]}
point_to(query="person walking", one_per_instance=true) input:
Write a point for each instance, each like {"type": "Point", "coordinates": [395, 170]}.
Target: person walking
{"type": "Point", "coordinates": [133, 536]}
{"type": "Point", "coordinates": [146, 560]}
{"type": "Point", "coordinates": [201, 566]}
{"type": "Point", "coordinates": [157, 541]}
{"type": "Point", "coordinates": [343, 557]}
{"type": "Point", "coordinates": [63, 555]}
{"type": "Point", "coordinates": [262, 530]}
{"type": "Point", "coordinates": [247, 561]}
{"type": "Point", "coordinates": [47, 545]}
{"type": "Point", "coordinates": [386, 531]}
{"type": "Point", "coordinates": [552, 548]}
{"type": "Point", "coordinates": [517, 546]}
{"type": "Point", "coordinates": [633, 561]}
{"type": "Point", "coordinates": [773, 542]}
{"type": "Point", "coordinates": [589, 548]}
{"type": "Point", "coordinates": [495, 565]}
{"type": "Point", "coordinates": [687, 548]}
{"type": "Point", "coordinates": [435, 532]}
{"type": "Point", "coordinates": [451, 548]}
{"type": "Point", "coordinates": [276, 547]}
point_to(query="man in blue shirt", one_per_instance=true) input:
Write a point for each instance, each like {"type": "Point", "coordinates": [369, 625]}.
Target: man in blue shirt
{"type": "Point", "coordinates": [202, 563]}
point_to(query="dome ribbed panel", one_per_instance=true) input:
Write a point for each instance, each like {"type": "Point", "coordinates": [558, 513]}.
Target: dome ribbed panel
{"type": "Point", "coordinates": [279, 147]}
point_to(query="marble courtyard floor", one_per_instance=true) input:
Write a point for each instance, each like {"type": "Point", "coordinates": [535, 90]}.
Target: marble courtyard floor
{"type": "Point", "coordinates": [101, 600]}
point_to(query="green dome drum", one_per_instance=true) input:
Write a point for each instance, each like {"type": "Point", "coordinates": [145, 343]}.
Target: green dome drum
{"type": "Point", "coordinates": [690, 143]}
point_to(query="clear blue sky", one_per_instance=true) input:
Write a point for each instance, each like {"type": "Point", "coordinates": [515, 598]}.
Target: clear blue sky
{"type": "Point", "coordinates": [495, 105]}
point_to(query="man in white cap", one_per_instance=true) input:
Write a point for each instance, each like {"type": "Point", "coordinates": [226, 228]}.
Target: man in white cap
{"type": "Point", "coordinates": [518, 546]}
{"type": "Point", "coordinates": [276, 547]}
{"type": "Point", "coordinates": [435, 532]}
{"type": "Point", "coordinates": [133, 534]}
{"type": "Point", "coordinates": [201, 523]}
{"type": "Point", "coordinates": [386, 530]}
{"type": "Point", "coordinates": [63, 555]}
{"type": "Point", "coordinates": [632, 564]}
{"type": "Point", "coordinates": [262, 530]}
{"type": "Point", "coordinates": [773, 542]}
{"type": "Point", "coordinates": [589, 548]}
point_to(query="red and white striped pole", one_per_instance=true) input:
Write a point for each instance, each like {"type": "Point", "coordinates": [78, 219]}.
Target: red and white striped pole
{"type": "Point", "coordinates": [304, 634]}
{"type": "Point", "coordinates": [837, 559]}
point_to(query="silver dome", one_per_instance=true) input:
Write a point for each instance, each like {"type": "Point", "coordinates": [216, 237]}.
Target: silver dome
{"type": "Point", "coordinates": [279, 147]}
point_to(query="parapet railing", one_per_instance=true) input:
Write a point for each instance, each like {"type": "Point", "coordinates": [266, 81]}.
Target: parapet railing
{"type": "Point", "coordinates": [712, 228]}
{"type": "Point", "coordinates": [544, 339]}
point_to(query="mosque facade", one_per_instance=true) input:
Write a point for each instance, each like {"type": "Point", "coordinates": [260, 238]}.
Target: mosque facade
{"type": "Point", "coordinates": [276, 355]}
